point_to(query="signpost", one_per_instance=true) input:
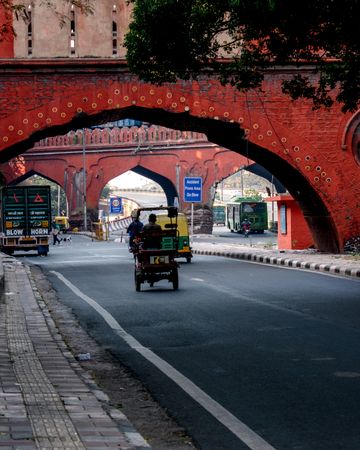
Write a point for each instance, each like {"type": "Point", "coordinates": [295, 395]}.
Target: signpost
{"type": "Point", "coordinates": [192, 194]}
{"type": "Point", "coordinates": [115, 205]}
{"type": "Point", "coordinates": [193, 189]}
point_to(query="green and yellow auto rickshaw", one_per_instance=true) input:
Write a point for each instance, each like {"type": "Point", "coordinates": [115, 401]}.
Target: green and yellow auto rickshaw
{"type": "Point", "coordinates": [184, 249]}
{"type": "Point", "coordinates": [62, 223]}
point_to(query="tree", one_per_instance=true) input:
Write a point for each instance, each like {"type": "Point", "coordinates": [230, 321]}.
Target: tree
{"type": "Point", "coordinates": [105, 193]}
{"type": "Point", "coordinates": [254, 194]}
{"type": "Point", "coordinates": [172, 39]}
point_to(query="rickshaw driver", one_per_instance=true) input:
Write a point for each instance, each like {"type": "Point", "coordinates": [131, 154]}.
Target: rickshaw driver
{"type": "Point", "coordinates": [150, 232]}
{"type": "Point", "coordinates": [152, 225]}
{"type": "Point", "coordinates": [134, 229]}
{"type": "Point", "coordinates": [150, 235]}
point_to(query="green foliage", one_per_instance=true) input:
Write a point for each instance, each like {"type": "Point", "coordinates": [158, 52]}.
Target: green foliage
{"type": "Point", "coordinates": [238, 199]}
{"type": "Point", "coordinates": [171, 39]}
{"type": "Point", "coordinates": [106, 191]}
{"type": "Point", "coordinates": [254, 194]}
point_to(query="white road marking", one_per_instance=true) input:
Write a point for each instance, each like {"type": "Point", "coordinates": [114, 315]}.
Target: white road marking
{"type": "Point", "coordinates": [197, 279]}
{"type": "Point", "coordinates": [85, 260]}
{"type": "Point", "coordinates": [232, 423]}
{"type": "Point", "coordinates": [96, 255]}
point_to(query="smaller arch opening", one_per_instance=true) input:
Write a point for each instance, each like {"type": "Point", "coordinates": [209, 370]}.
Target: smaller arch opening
{"type": "Point", "coordinates": [59, 203]}
{"type": "Point", "coordinates": [133, 189]}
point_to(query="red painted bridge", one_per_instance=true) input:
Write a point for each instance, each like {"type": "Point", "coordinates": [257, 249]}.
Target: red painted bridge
{"type": "Point", "coordinates": [159, 153]}
{"type": "Point", "coordinates": [314, 154]}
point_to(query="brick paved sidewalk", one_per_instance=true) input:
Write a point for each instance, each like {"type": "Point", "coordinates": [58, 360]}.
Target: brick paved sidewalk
{"type": "Point", "coordinates": [344, 265]}
{"type": "Point", "coordinates": [47, 401]}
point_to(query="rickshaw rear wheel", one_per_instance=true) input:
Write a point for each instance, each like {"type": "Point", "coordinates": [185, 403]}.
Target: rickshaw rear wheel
{"type": "Point", "coordinates": [137, 282]}
{"type": "Point", "coordinates": [175, 279]}
{"type": "Point", "coordinates": [188, 259]}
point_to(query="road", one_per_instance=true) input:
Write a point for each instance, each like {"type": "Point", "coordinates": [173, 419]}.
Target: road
{"type": "Point", "coordinates": [222, 234]}
{"type": "Point", "coordinates": [243, 355]}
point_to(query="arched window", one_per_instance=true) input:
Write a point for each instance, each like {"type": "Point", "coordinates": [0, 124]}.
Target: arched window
{"type": "Point", "coordinates": [72, 31]}
{"type": "Point", "coordinates": [356, 143]}
{"type": "Point", "coordinates": [114, 31]}
{"type": "Point", "coordinates": [351, 136]}
{"type": "Point", "coordinates": [29, 31]}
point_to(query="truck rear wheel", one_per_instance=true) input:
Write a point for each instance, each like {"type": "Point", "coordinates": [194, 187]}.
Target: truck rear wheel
{"type": "Point", "coordinates": [43, 250]}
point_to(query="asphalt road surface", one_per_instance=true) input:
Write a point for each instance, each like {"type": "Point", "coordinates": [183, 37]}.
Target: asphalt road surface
{"type": "Point", "coordinates": [222, 234]}
{"type": "Point", "coordinates": [243, 355]}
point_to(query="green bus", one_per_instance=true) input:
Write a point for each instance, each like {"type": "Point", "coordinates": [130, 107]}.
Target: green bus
{"type": "Point", "coordinates": [244, 208]}
{"type": "Point", "coordinates": [219, 213]}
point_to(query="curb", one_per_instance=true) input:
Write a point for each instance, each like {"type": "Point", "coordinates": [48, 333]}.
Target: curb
{"type": "Point", "coordinates": [285, 262]}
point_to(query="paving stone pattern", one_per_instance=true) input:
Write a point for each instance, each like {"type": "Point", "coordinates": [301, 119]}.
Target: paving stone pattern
{"type": "Point", "coordinates": [47, 401]}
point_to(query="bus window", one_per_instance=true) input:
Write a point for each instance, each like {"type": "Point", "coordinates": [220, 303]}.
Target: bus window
{"type": "Point", "coordinates": [247, 208]}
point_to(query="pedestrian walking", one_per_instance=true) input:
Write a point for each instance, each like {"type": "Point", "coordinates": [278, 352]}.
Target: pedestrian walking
{"type": "Point", "coordinates": [55, 234]}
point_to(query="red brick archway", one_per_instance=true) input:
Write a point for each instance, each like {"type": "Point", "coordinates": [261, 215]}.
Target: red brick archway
{"type": "Point", "coordinates": [301, 147]}
{"type": "Point", "coordinates": [164, 155]}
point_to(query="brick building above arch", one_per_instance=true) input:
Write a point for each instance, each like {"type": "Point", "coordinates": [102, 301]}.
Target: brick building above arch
{"type": "Point", "coordinates": [299, 145]}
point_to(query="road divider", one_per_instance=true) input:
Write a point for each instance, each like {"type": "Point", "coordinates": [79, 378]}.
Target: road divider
{"type": "Point", "coordinates": [102, 230]}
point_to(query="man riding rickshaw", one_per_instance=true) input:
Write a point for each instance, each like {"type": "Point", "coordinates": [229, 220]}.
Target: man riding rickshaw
{"type": "Point", "coordinates": [155, 249]}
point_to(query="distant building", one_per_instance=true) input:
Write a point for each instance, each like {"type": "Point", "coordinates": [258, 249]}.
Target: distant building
{"type": "Point", "coordinates": [44, 35]}
{"type": "Point", "coordinates": [123, 123]}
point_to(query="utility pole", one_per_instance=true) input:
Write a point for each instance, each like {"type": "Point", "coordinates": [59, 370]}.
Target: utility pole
{"type": "Point", "coordinates": [84, 180]}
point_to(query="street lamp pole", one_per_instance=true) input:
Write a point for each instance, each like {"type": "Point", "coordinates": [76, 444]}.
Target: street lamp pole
{"type": "Point", "coordinates": [84, 180]}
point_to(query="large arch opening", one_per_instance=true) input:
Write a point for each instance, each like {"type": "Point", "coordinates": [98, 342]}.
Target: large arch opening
{"type": "Point", "coordinates": [59, 203]}
{"type": "Point", "coordinates": [226, 134]}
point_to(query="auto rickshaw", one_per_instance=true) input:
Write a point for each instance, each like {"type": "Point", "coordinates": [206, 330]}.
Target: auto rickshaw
{"type": "Point", "coordinates": [155, 251]}
{"type": "Point", "coordinates": [62, 223]}
{"type": "Point", "coordinates": [184, 249]}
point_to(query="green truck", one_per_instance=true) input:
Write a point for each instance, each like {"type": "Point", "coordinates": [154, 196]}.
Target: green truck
{"type": "Point", "coordinates": [25, 219]}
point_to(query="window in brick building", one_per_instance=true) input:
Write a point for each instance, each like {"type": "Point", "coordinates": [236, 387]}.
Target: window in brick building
{"type": "Point", "coordinates": [351, 136]}
{"type": "Point", "coordinates": [114, 32]}
{"type": "Point", "coordinates": [72, 31]}
{"type": "Point", "coordinates": [356, 143]}
{"type": "Point", "coordinates": [29, 31]}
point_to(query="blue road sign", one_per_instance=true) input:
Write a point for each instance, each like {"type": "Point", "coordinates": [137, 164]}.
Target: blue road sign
{"type": "Point", "coordinates": [193, 189]}
{"type": "Point", "coordinates": [115, 205]}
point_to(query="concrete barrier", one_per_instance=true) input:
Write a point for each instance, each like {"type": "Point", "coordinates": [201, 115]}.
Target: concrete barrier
{"type": "Point", "coordinates": [101, 230]}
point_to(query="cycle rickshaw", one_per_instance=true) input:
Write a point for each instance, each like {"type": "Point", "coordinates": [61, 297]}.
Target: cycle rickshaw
{"type": "Point", "coordinates": [155, 251]}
